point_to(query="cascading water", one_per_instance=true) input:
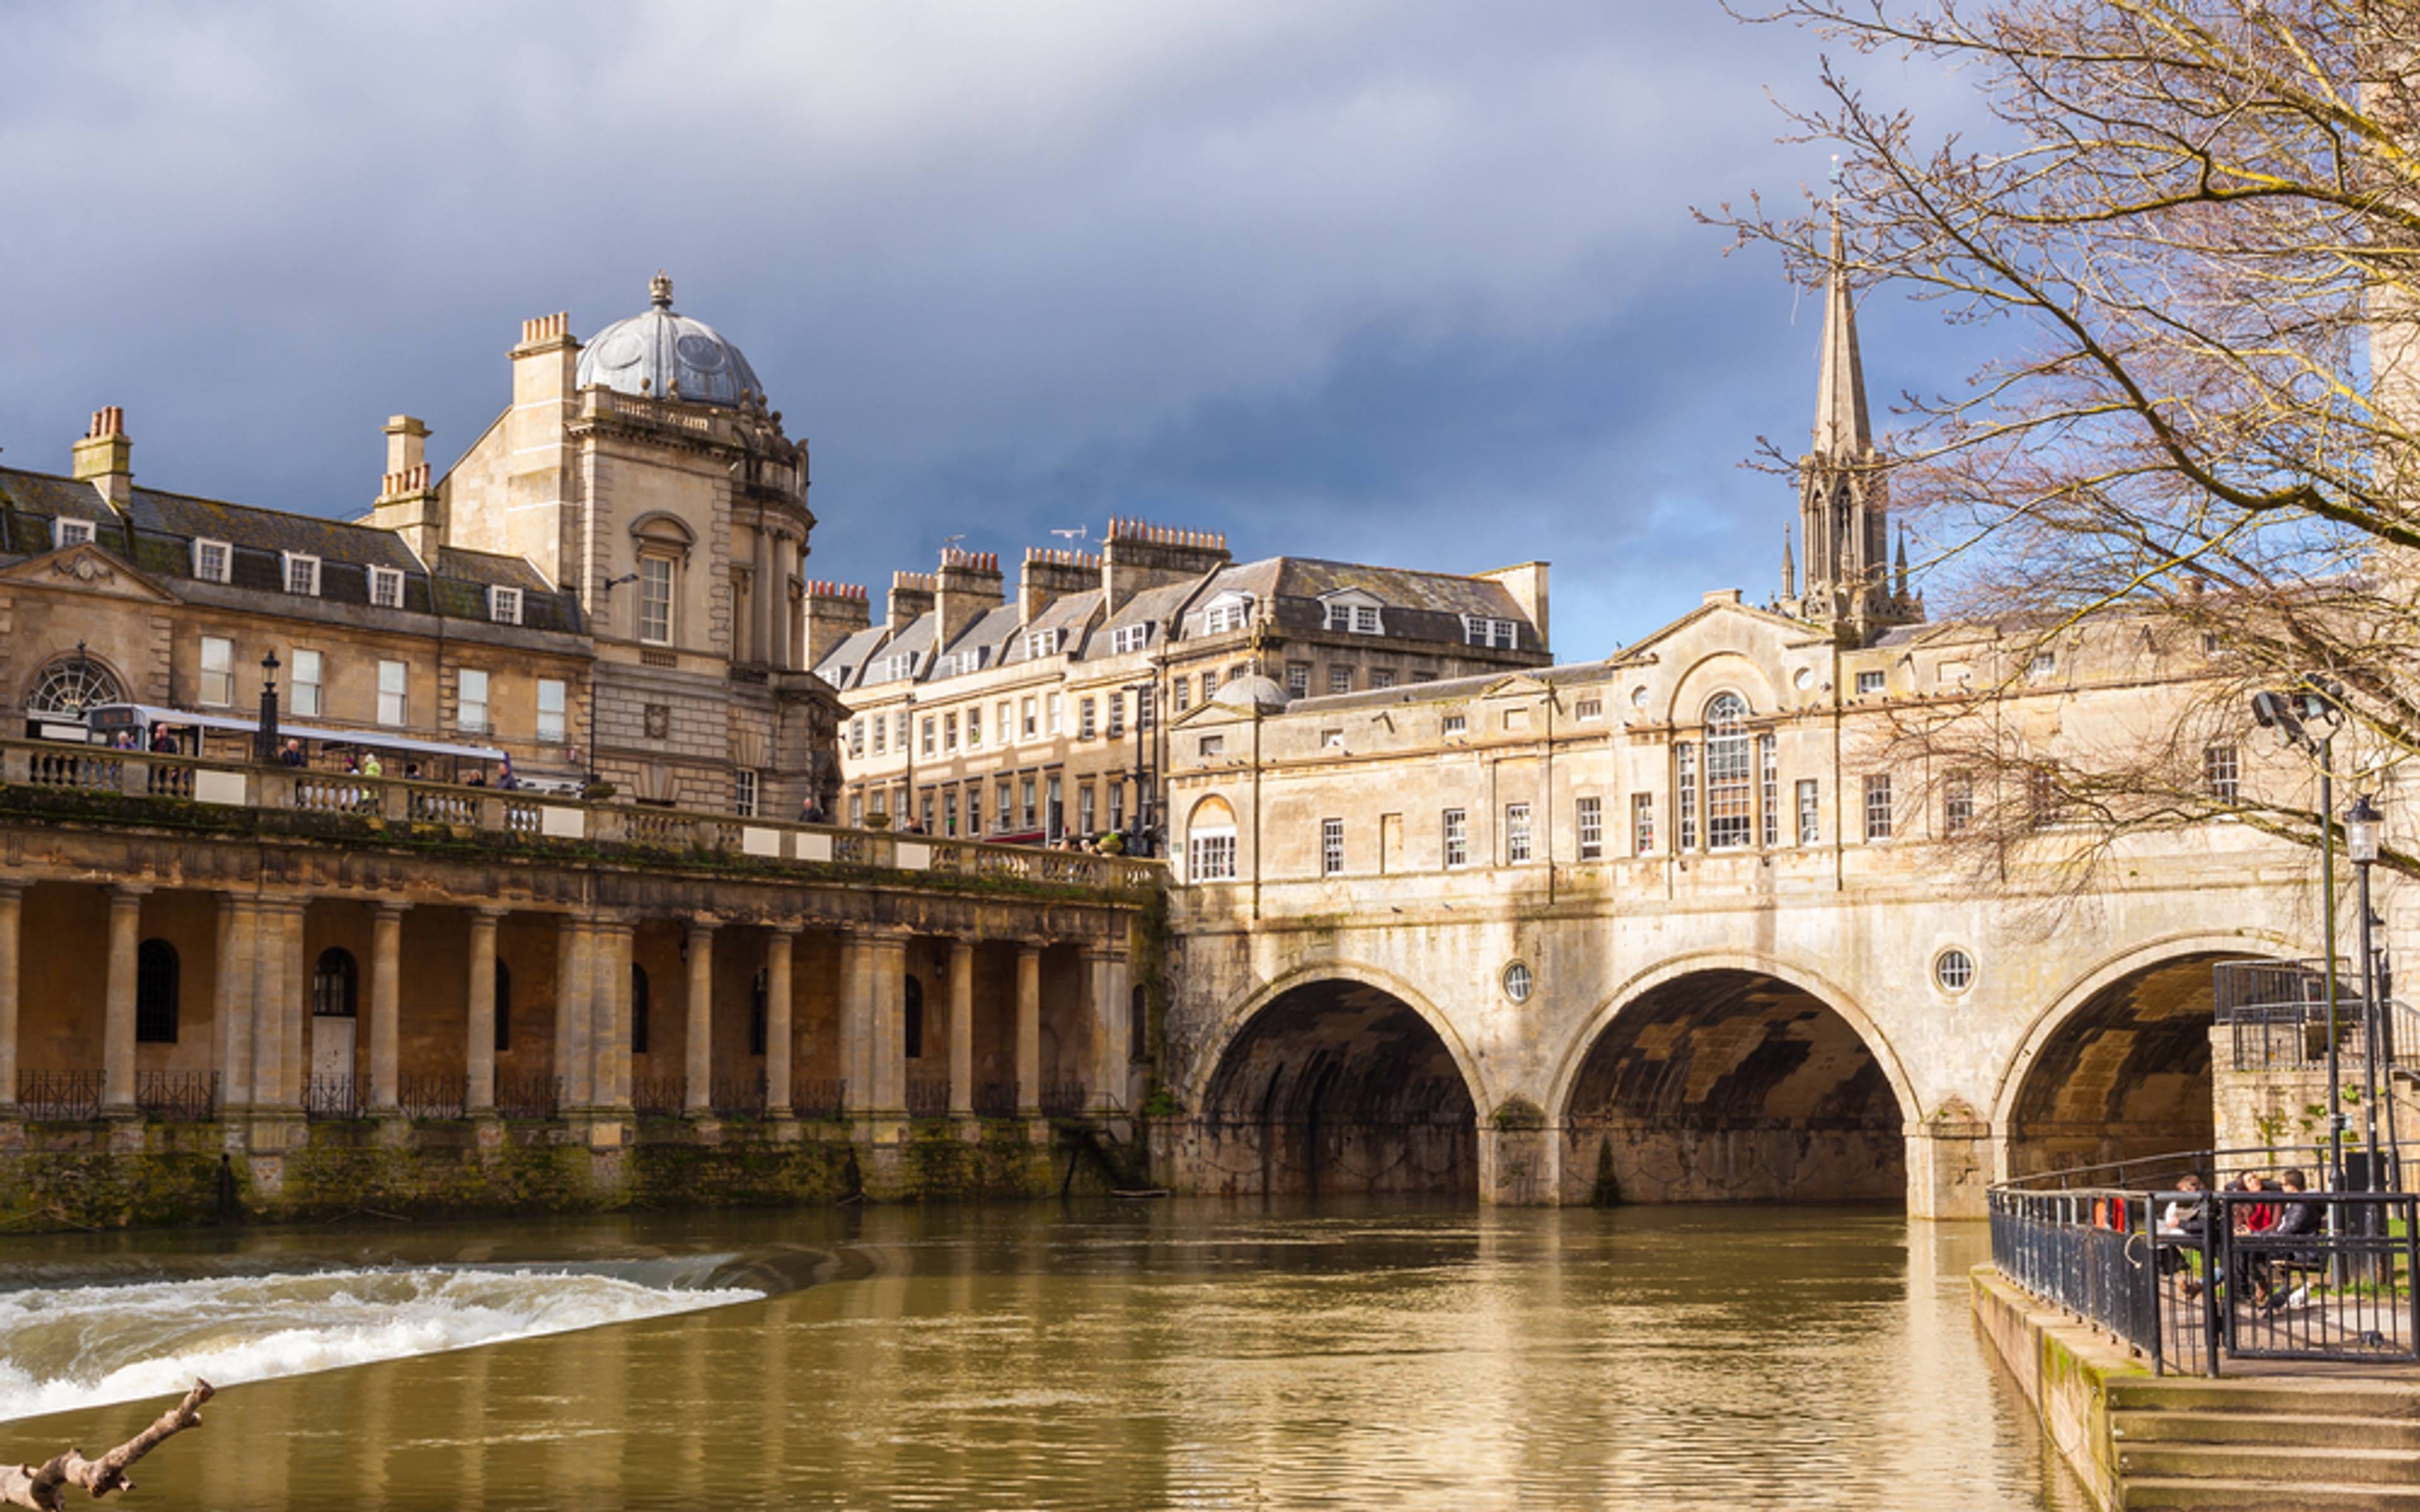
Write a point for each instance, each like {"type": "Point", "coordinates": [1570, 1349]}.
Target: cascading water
{"type": "Point", "coordinates": [70, 1347]}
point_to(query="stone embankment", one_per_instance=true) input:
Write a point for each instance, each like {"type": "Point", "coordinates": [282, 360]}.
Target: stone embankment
{"type": "Point", "coordinates": [2311, 1440]}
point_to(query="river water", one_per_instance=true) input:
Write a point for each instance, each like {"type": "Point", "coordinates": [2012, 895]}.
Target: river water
{"type": "Point", "coordinates": [1113, 1355]}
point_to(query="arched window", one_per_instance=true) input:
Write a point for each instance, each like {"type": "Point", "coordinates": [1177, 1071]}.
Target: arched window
{"type": "Point", "coordinates": [155, 992]}
{"type": "Point", "coordinates": [503, 1004]}
{"type": "Point", "coordinates": [1730, 774]}
{"type": "Point", "coordinates": [72, 685]}
{"type": "Point", "coordinates": [1139, 1024]}
{"type": "Point", "coordinates": [759, 995]}
{"type": "Point", "coordinates": [336, 984]}
{"type": "Point", "coordinates": [912, 1021]}
{"type": "Point", "coordinates": [638, 1009]}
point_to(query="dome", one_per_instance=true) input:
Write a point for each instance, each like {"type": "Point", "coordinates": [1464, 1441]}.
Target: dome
{"type": "Point", "coordinates": [667, 356]}
{"type": "Point", "coordinates": [1259, 694]}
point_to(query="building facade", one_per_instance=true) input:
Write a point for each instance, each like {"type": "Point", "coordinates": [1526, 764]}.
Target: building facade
{"type": "Point", "coordinates": [973, 715]}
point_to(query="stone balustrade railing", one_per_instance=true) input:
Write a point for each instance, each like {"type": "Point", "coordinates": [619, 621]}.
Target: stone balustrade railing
{"type": "Point", "coordinates": [145, 775]}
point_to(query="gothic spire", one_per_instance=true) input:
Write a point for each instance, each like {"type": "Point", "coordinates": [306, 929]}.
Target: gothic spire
{"type": "Point", "coordinates": [1789, 568]}
{"type": "Point", "coordinates": [1903, 560]}
{"type": "Point", "coordinates": [1842, 431]}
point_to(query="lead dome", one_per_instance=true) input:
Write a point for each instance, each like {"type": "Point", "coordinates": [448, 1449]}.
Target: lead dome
{"type": "Point", "coordinates": [666, 356]}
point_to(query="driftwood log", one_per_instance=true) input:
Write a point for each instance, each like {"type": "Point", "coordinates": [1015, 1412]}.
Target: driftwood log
{"type": "Point", "coordinates": [44, 1487]}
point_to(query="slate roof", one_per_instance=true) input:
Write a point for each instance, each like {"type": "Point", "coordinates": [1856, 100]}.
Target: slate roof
{"type": "Point", "coordinates": [157, 532]}
{"type": "Point", "coordinates": [1419, 606]}
{"type": "Point", "coordinates": [1153, 606]}
{"type": "Point", "coordinates": [844, 666]}
{"type": "Point", "coordinates": [994, 628]}
{"type": "Point", "coordinates": [1069, 612]}
{"type": "Point", "coordinates": [917, 640]}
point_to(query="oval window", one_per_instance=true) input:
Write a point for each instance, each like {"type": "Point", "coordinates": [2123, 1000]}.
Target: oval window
{"type": "Point", "coordinates": [1803, 679]}
{"type": "Point", "coordinates": [621, 351]}
{"type": "Point", "coordinates": [1639, 697]}
{"type": "Point", "coordinates": [1954, 970]}
{"type": "Point", "coordinates": [703, 353]}
{"type": "Point", "coordinates": [1516, 981]}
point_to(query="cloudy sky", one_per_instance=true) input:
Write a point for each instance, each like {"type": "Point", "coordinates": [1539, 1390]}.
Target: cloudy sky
{"type": "Point", "coordinates": [1407, 283]}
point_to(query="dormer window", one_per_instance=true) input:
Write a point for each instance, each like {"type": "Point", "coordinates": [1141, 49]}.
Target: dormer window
{"type": "Point", "coordinates": [1479, 630]}
{"type": "Point", "coordinates": [67, 532]}
{"type": "Point", "coordinates": [302, 574]}
{"type": "Point", "coordinates": [1354, 613]}
{"type": "Point", "coordinates": [504, 605]}
{"type": "Point", "coordinates": [1041, 643]}
{"type": "Point", "coordinates": [1228, 611]}
{"type": "Point", "coordinates": [214, 560]}
{"type": "Point", "coordinates": [896, 668]}
{"type": "Point", "coordinates": [386, 587]}
{"type": "Point", "coordinates": [1128, 637]}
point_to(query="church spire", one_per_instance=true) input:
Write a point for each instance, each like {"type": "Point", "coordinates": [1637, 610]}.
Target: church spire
{"type": "Point", "coordinates": [1843, 432]}
{"type": "Point", "coordinates": [1789, 568]}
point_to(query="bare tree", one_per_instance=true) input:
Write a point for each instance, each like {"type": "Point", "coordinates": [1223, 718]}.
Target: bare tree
{"type": "Point", "coordinates": [2193, 228]}
{"type": "Point", "coordinates": [44, 1487]}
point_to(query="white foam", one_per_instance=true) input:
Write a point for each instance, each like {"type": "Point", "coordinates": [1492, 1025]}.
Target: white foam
{"type": "Point", "coordinates": [76, 1347]}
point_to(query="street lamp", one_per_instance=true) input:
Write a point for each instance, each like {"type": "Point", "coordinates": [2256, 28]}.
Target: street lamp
{"type": "Point", "coordinates": [265, 739]}
{"type": "Point", "coordinates": [2361, 823]}
{"type": "Point", "coordinates": [2313, 702]}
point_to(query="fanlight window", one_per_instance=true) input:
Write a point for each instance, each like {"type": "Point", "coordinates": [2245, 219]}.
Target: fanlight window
{"type": "Point", "coordinates": [71, 687]}
{"type": "Point", "coordinates": [1730, 768]}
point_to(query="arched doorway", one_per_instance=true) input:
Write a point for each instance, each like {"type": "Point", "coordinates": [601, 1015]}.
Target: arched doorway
{"type": "Point", "coordinates": [1337, 1086]}
{"type": "Point", "coordinates": [1732, 1086]}
{"type": "Point", "coordinates": [2123, 1075]}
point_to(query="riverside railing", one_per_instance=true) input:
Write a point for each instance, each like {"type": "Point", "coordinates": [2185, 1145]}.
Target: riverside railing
{"type": "Point", "coordinates": [2191, 1278]}
{"type": "Point", "coordinates": [530, 815]}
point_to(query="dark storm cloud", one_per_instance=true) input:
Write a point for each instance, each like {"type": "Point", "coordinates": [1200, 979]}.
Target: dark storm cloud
{"type": "Point", "coordinates": [1409, 283]}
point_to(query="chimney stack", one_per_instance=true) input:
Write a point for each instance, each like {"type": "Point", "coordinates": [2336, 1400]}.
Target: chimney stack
{"type": "Point", "coordinates": [911, 597]}
{"type": "Point", "coordinates": [1137, 554]}
{"type": "Point", "coordinates": [408, 502]}
{"type": "Point", "coordinates": [106, 458]}
{"type": "Point", "coordinates": [1049, 572]}
{"type": "Point", "coordinates": [834, 612]}
{"type": "Point", "coordinates": [969, 585]}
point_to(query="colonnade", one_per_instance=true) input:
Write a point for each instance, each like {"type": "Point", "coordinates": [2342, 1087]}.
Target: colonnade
{"type": "Point", "coordinates": [260, 996]}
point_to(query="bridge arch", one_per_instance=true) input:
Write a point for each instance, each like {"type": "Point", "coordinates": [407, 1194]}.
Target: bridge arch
{"type": "Point", "coordinates": [1729, 1076]}
{"type": "Point", "coordinates": [1335, 1077]}
{"type": "Point", "coordinates": [2117, 1066]}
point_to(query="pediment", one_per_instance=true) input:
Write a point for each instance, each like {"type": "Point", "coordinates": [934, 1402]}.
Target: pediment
{"type": "Point", "coordinates": [86, 568]}
{"type": "Point", "coordinates": [1727, 622]}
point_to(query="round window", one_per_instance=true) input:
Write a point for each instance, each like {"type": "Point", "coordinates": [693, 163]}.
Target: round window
{"type": "Point", "coordinates": [1639, 697]}
{"type": "Point", "coordinates": [1954, 970]}
{"type": "Point", "coordinates": [1804, 678]}
{"type": "Point", "coordinates": [1516, 981]}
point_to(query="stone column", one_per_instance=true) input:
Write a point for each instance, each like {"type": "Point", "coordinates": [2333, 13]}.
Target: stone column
{"type": "Point", "coordinates": [609, 954]}
{"type": "Point", "coordinates": [232, 1008]}
{"type": "Point", "coordinates": [778, 942]}
{"type": "Point", "coordinates": [117, 1015]}
{"type": "Point", "coordinates": [12, 900]}
{"type": "Point", "coordinates": [1029, 1029]}
{"type": "Point", "coordinates": [962, 1029]}
{"type": "Point", "coordinates": [479, 1053]}
{"type": "Point", "coordinates": [296, 1015]}
{"type": "Point", "coordinates": [856, 1020]}
{"type": "Point", "coordinates": [280, 990]}
{"type": "Point", "coordinates": [574, 981]}
{"type": "Point", "coordinates": [890, 984]}
{"type": "Point", "coordinates": [386, 1007]}
{"type": "Point", "coordinates": [763, 605]}
{"type": "Point", "coordinates": [1110, 1029]}
{"type": "Point", "coordinates": [697, 1096]}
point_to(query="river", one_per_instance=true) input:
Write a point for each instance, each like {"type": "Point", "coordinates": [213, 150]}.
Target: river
{"type": "Point", "coordinates": [1113, 1355]}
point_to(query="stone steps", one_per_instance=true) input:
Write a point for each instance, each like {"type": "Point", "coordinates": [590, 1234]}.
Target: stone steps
{"type": "Point", "coordinates": [2198, 1495]}
{"type": "Point", "coordinates": [2297, 1396]}
{"type": "Point", "coordinates": [2299, 1430]}
{"type": "Point", "coordinates": [2293, 1466]}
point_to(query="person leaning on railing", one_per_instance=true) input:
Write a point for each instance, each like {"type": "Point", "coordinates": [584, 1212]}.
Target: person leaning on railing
{"type": "Point", "coordinates": [2182, 1223]}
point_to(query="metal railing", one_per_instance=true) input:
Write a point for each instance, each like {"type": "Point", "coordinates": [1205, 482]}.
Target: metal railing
{"type": "Point", "coordinates": [527, 816]}
{"type": "Point", "coordinates": [58, 1096]}
{"type": "Point", "coordinates": [424, 1096]}
{"type": "Point", "coordinates": [738, 1096]}
{"type": "Point", "coordinates": [529, 1096]}
{"type": "Point", "coordinates": [2192, 1278]}
{"type": "Point", "coordinates": [821, 1098]}
{"type": "Point", "coordinates": [329, 1097]}
{"type": "Point", "coordinates": [2276, 1015]}
{"type": "Point", "coordinates": [996, 1100]}
{"type": "Point", "coordinates": [928, 1097]}
{"type": "Point", "coordinates": [1065, 1100]}
{"type": "Point", "coordinates": [178, 1096]}
{"type": "Point", "coordinates": [657, 1096]}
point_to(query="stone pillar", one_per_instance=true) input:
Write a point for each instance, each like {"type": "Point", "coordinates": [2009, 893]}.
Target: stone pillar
{"type": "Point", "coordinates": [232, 1008]}
{"type": "Point", "coordinates": [574, 984]}
{"type": "Point", "coordinates": [1949, 1160]}
{"type": "Point", "coordinates": [856, 1021]}
{"type": "Point", "coordinates": [479, 1053]}
{"type": "Point", "coordinates": [1029, 1029]}
{"type": "Point", "coordinates": [1107, 982]}
{"type": "Point", "coordinates": [117, 1015]}
{"type": "Point", "coordinates": [762, 630]}
{"type": "Point", "coordinates": [386, 1007]}
{"type": "Point", "coordinates": [962, 1029]}
{"type": "Point", "coordinates": [296, 1016]}
{"type": "Point", "coordinates": [609, 954]}
{"type": "Point", "coordinates": [778, 942]}
{"type": "Point", "coordinates": [12, 901]}
{"type": "Point", "coordinates": [697, 1096]}
{"type": "Point", "coordinates": [280, 997]}
{"type": "Point", "coordinates": [889, 975]}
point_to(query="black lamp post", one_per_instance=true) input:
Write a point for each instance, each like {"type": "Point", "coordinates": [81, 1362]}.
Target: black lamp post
{"type": "Point", "coordinates": [2293, 714]}
{"type": "Point", "coordinates": [265, 740]}
{"type": "Point", "coordinates": [2362, 823]}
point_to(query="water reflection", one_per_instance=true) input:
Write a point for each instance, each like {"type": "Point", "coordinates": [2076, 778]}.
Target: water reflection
{"type": "Point", "coordinates": [1180, 1356]}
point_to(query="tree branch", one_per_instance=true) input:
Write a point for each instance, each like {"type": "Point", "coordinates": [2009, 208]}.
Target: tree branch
{"type": "Point", "coordinates": [44, 1488]}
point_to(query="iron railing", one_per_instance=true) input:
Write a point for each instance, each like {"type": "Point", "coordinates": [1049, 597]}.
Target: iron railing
{"type": "Point", "coordinates": [58, 1096]}
{"type": "Point", "coordinates": [823, 1097]}
{"type": "Point", "coordinates": [2276, 1015]}
{"type": "Point", "coordinates": [330, 1097]}
{"type": "Point", "coordinates": [928, 1097]}
{"type": "Point", "coordinates": [739, 1096]}
{"type": "Point", "coordinates": [1065, 1100]}
{"type": "Point", "coordinates": [426, 1096]}
{"type": "Point", "coordinates": [529, 1096]}
{"type": "Point", "coordinates": [178, 1096]}
{"type": "Point", "coordinates": [2193, 1278]}
{"type": "Point", "coordinates": [996, 1100]}
{"type": "Point", "coordinates": [657, 1096]}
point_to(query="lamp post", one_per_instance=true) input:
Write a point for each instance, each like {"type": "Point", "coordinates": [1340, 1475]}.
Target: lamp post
{"type": "Point", "coordinates": [265, 739]}
{"type": "Point", "coordinates": [2313, 702]}
{"type": "Point", "coordinates": [2361, 824]}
